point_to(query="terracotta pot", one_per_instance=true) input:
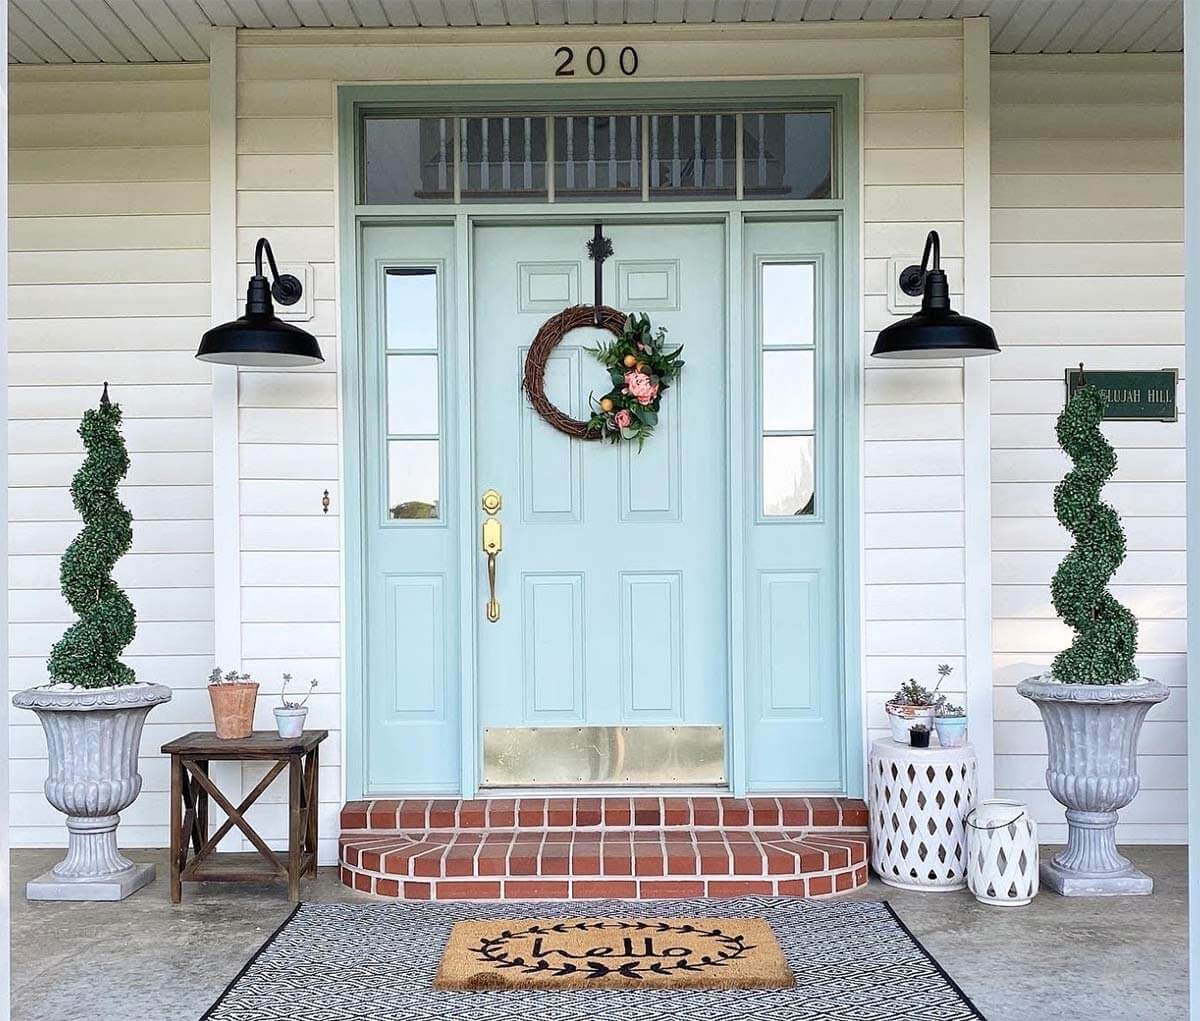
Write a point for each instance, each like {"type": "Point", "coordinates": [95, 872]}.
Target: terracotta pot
{"type": "Point", "coordinates": [233, 708]}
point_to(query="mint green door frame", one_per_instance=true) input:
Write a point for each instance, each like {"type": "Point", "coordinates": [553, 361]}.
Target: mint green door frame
{"type": "Point", "coordinates": [840, 94]}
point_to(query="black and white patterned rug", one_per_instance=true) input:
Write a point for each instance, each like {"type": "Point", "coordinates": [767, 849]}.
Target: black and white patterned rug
{"type": "Point", "coordinates": [853, 961]}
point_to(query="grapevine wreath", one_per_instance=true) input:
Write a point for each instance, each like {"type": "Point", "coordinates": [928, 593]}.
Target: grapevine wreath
{"type": "Point", "coordinates": [639, 365]}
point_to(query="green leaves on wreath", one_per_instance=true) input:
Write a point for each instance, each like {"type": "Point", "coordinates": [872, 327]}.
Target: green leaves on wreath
{"type": "Point", "coordinates": [645, 416]}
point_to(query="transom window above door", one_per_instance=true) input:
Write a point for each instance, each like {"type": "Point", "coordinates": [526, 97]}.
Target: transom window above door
{"type": "Point", "coordinates": [570, 157]}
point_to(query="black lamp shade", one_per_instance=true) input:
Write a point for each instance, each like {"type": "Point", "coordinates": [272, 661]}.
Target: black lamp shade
{"type": "Point", "coordinates": [937, 331]}
{"type": "Point", "coordinates": [259, 339]}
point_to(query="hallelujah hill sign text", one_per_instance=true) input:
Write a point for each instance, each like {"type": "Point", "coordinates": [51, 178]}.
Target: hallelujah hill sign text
{"type": "Point", "coordinates": [1137, 395]}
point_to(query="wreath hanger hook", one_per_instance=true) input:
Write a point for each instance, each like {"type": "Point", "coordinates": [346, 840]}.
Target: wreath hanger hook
{"type": "Point", "coordinates": [599, 249]}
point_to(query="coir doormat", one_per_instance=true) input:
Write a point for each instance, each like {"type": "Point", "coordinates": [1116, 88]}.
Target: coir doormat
{"type": "Point", "coordinates": [613, 953]}
{"type": "Point", "coordinates": [360, 961]}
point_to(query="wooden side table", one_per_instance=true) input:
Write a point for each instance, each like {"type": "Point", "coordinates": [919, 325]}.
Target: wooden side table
{"type": "Point", "coordinates": [194, 856]}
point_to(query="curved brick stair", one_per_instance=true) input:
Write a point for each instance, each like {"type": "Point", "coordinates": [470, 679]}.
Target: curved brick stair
{"type": "Point", "coordinates": [580, 848]}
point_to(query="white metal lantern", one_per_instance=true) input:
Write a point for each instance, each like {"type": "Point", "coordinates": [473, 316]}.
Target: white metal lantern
{"type": "Point", "coordinates": [1002, 853]}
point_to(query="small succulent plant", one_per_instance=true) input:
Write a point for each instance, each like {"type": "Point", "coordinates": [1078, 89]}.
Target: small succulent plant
{"type": "Point", "coordinates": [228, 677]}
{"type": "Point", "coordinates": [944, 708]}
{"type": "Point", "coordinates": [912, 694]}
{"type": "Point", "coordinates": [917, 695]}
{"type": "Point", "coordinates": [291, 703]}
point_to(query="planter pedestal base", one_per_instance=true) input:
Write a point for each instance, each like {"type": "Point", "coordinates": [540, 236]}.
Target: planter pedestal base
{"type": "Point", "coordinates": [118, 886]}
{"type": "Point", "coordinates": [1128, 882]}
{"type": "Point", "coordinates": [94, 868]}
{"type": "Point", "coordinates": [1090, 865]}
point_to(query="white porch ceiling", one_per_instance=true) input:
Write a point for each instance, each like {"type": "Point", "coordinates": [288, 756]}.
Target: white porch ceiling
{"type": "Point", "coordinates": [124, 31]}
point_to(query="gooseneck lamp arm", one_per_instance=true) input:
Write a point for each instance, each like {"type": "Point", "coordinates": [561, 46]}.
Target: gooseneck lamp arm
{"type": "Point", "coordinates": [285, 288]}
{"type": "Point", "coordinates": [915, 280]}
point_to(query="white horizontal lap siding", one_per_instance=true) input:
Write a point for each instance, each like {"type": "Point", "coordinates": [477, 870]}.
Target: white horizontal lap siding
{"type": "Point", "coordinates": [288, 425]}
{"type": "Point", "coordinates": [286, 172]}
{"type": "Point", "coordinates": [913, 499]}
{"type": "Point", "coordinates": [1087, 264]}
{"type": "Point", "coordinates": [109, 280]}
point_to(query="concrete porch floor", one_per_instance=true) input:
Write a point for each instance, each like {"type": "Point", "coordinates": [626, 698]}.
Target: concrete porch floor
{"type": "Point", "coordinates": [146, 960]}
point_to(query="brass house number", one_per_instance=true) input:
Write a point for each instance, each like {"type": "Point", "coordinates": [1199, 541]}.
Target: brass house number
{"type": "Point", "coordinates": [595, 61]}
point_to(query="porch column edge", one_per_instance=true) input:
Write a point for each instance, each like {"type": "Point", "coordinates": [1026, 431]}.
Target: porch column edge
{"type": "Point", "coordinates": [977, 403]}
{"type": "Point", "coordinates": [1191, 233]}
{"type": "Point", "coordinates": [227, 573]}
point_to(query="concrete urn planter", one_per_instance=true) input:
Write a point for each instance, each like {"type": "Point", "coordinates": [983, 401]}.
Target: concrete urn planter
{"type": "Point", "coordinates": [92, 736]}
{"type": "Point", "coordinates": [1092, 731]}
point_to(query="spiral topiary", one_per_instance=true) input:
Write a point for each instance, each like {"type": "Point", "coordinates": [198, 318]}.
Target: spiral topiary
{"type": "Point", "coordinates": [87, 655]}
{"type": "Point", "coordinates": [1105, 631]}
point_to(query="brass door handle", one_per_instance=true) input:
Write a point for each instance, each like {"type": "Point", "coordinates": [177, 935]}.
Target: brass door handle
{"type": "Point", "coordinates": [493, 543]}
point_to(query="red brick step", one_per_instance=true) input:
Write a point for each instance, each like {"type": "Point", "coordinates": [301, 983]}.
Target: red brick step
{"type": "Point", "coordinates": [580, 848]}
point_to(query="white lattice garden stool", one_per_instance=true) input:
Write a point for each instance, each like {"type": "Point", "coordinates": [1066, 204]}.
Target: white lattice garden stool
{"type": "Point", "coordinates": [1002, 853]}
{"type": "Point", "coordinates": [918, 798]}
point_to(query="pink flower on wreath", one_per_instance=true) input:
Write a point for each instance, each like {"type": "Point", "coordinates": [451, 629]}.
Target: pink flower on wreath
{"type": "Point", "coordinates": [638, 384]}
{"type": "Point", "coordinates": [623, 419]}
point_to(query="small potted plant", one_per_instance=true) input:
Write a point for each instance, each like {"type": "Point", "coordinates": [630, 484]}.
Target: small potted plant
{"type": "Point", "coordinates": [950, 721]}
{"type": "Point", "coordinates": [290, 714]}
{"type": "Point", "coordinates": [232, 696]}
{"type": "Point", "coordinates": [913, 703]}
{"type": "Point", "coordinates": [918, 735]}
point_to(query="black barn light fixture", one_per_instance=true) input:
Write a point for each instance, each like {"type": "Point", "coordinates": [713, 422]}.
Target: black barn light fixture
{"type": "Point", "coordinates": [937, 331]}
{"type": "Point", "coordinates": [258, 338]}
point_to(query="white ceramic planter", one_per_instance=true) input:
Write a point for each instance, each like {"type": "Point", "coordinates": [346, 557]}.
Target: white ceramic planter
{"type": "Point", "coordinates": [917, 798]}
{"type": "Point", "coordinates": [92, 737]}
{"type": "Point", "coordinates": [951, 730]}
{"type": "Point", "coordinates": [1092, 732]}
{"type": "Point", "coordinates": [290, 722]}
{"type": "Point", "coordinates": [904, 717]}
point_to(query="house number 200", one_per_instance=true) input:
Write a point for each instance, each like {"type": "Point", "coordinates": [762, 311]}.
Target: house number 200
{"type": "Point", "coordinates": [596, 61]}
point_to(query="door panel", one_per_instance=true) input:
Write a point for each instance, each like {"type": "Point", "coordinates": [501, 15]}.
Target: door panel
{"type": "Point", "coordinates": [408, 458]}
{"type": "Point", "coordinates": [612, 579]}
{"type": "Point", "coordinates": [794, 684]}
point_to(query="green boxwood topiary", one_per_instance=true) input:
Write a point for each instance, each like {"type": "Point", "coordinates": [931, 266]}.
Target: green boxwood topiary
{"type": "Point", "coordinates": [88, 653]}
{"type": "Point", "coordinates": [1105, 631]}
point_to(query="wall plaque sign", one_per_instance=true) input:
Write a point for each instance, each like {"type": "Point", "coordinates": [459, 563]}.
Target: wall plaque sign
{"type": "Point", "coordinates": [1134, 395]}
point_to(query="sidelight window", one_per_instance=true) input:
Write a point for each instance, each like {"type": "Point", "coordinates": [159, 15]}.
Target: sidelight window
{"type": "Point", "coordinates": [413, 388]}
{"type": "Point", "coordinates": [787, 390]}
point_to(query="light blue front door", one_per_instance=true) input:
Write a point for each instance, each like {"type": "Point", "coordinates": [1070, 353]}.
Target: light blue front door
{"type": "Point", "coordinates": [612, 581]}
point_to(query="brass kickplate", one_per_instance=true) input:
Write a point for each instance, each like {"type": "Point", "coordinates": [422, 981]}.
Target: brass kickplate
{"type": "Point", "coordinates": [604, 756]}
